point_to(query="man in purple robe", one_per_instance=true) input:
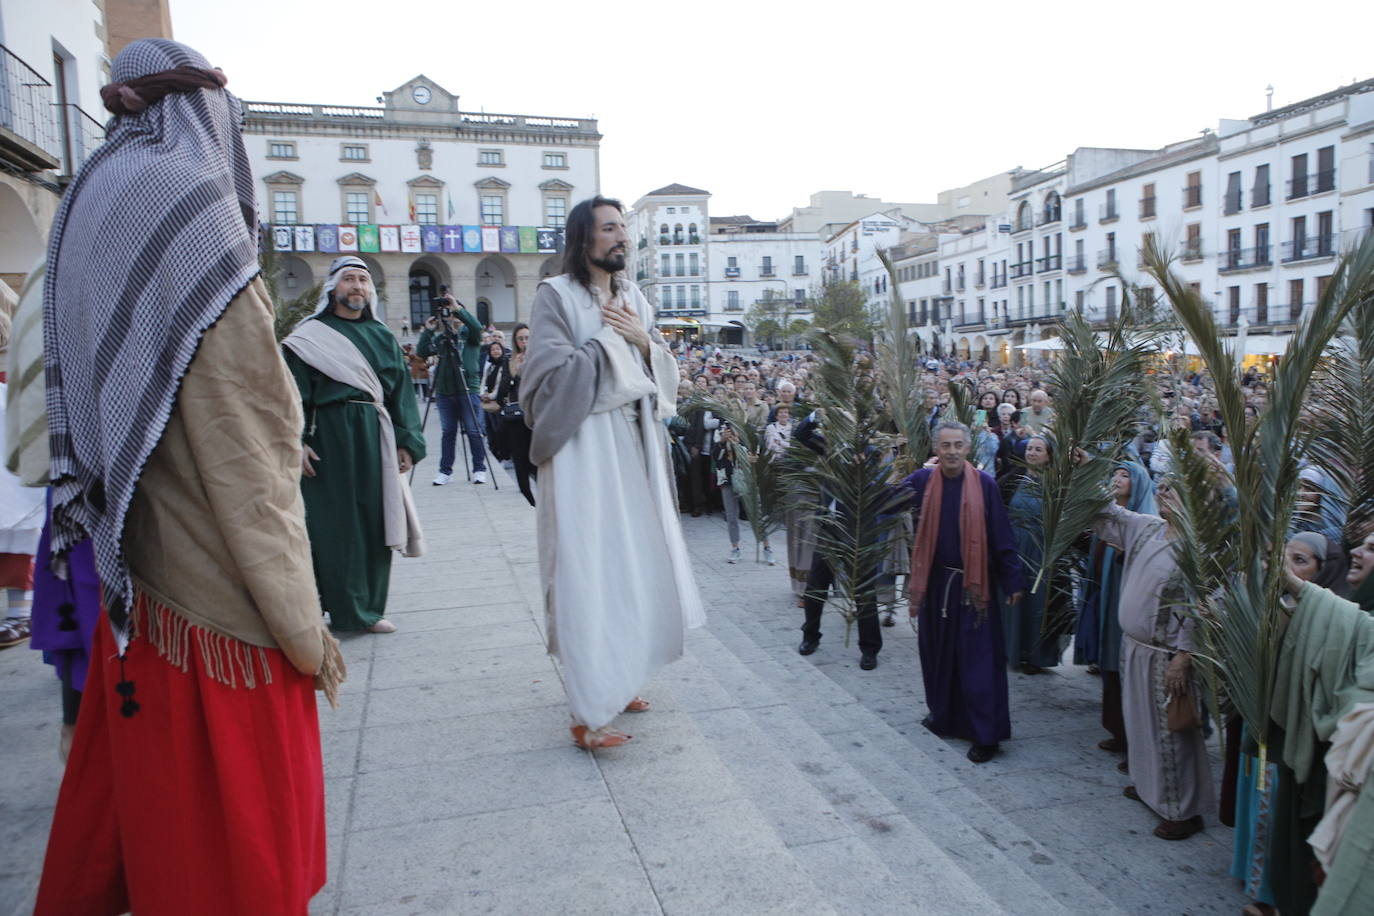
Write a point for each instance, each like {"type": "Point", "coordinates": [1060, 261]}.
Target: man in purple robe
{"type": "Point", "coordinates": [963, 659]}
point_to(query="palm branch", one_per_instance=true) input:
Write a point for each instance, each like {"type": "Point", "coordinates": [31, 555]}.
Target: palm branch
{"type": "Point", "coordinates": [854, 474]}
{"type": "Point", "coordinates": [899, 379]}
{"type": "Point", "coordinates": [1241, 621]}
{"type": "Point", "coordinates": [961, 403]}
{"type": "Point", "coordinates": [1100, 390]}
{"type": "Point", "coordinates": [756, 480]}
{"type": "Point", "coordinates": [1343, 436]}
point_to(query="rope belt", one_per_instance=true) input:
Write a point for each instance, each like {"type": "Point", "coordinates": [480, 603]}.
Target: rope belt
{"type": "Point", "coordinates": [949, 583]}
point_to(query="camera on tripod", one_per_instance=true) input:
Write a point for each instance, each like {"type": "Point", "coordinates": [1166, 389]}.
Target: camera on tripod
{"type": "Point", "coordinates": [439, 307]}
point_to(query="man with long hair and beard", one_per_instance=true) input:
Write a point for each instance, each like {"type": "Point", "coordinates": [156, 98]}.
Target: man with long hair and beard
{"type": "Point", "coordinates": [596, 388]}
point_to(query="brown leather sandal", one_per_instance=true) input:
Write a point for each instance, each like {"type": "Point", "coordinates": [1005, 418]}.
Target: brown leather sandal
{"type": "Point", "coordinates": [638, 704]}
{"type": "Point", "coordinates": [590, 740]}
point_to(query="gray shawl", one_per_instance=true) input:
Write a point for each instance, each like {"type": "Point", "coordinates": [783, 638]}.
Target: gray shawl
{"type": "Point", "coordinates": [155, 237]}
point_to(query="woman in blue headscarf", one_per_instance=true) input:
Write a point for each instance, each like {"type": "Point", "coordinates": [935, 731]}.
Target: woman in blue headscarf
{"type": "Point", "coordinates": [1029, 650]}
{"type": "Point", "coordinates": [1098, 638]}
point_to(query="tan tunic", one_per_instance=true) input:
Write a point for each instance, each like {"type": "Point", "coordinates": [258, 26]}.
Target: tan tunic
{"type": "Point", "coordinates": [1170, 769]}
{"type": "Point", "coordinates": [216, 530]}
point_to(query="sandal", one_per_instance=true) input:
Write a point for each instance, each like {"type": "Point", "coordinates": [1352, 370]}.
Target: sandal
{"type": "Point", "coordinates": [589, 739]}
{"type": "Point", "coordinates": [638, 704]}
{"type": "Point", "coordinates": [13, 631]}
{"type": "Point", "coordinates": [1179, 830]}
{"type": "Point", "coordinates": [1114, 745]}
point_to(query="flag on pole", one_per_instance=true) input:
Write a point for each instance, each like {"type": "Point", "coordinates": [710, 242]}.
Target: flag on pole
{"type": "Point", "coordinates": [377, 199]}
{"type": "Point", "coordinates": [412, 210]}
{"type": "Point", "coordinates": [450, 206]}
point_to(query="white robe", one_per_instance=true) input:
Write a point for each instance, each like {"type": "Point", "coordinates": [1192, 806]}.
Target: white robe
{"type": "Point", "coordinates": [617, 582]}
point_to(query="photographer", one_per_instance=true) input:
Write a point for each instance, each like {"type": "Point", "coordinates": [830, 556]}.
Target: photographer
{"type": "Point", "coordinates": [459, 339]}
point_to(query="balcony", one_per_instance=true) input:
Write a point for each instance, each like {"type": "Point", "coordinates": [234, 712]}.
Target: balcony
{"type": "Point", "coordinates": [1310, 248]}
{"type": "Point", "coordinates": [1147, 208]}
{"type": "Point", "coordinates": [1236, 259]}
{"type": "Point", "coordinates": [1049, 262]}
{"type": "Point", "coordinates": [37, 133]}
{"type": "Point", "coordinates": [1079, 222]}
{"type": "Point", "coordinates": [1076, 264]}
{"type": "Point", "coordinates": [970, 321]}
{"type": "Point", "coordinates": [799, 270]}
{"type": "Point", "coordinates": [1106, 260]}
{"type": "Point", "coordinates": [1023, 269]}
{"type": "Point", "coordinates": [665, 240]}
{"type": "Point", "coordinates": [999, 281]}
{"type": "Point", "coordinates": [732, 273]}
{"type": "Point", "coordinates": [766, 272]}
{"type": "Point", "coordinates": [1025, 226]}
{"type": "Point", "coordinates": [1316, 183]}
{"type": "Point", "coordinates": [693, 240]}
{"type": "Point", "coordinates": [1259, 196]}
{"type": "Point", "coordinates": [1231, 203]}
{"type": "Point", "coordinates": [979, 281]}
{"type": "Point", "coordinates": [1192, 197]}
{"type": "Point", "coordinates": [1192, 251]}
{"type": "Point", "coordinates": [1108, 213]}
{"type": "Point", "coordinates": [1047, 219]}
{"type": "Point", "coordinates": [959, 286]}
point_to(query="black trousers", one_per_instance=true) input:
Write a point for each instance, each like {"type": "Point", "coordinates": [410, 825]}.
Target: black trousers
{"type": "Point", "coordinates": [818, 582]}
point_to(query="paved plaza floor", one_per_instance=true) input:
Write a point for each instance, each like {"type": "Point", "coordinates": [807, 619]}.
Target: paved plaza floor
{"type": "Point", "coordinates": [761, 781]}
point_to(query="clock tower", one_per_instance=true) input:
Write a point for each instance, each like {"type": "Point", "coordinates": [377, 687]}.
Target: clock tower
{"type": "Point", "coordinates": [420, 98]}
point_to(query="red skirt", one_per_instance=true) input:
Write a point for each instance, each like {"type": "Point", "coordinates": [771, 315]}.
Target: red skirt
{"type": "Point", "coordinates": [209, 799]}
{"type": "Point", "coordinates": [16, 571]}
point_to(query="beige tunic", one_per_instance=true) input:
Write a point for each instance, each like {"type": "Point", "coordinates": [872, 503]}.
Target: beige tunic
{"type": "Point", "coordinates": [216, 530]}
{"type": "Point", "coordinates": [1170, 769]}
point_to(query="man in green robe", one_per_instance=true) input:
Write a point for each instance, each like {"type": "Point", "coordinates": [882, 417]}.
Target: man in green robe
{"type": "Point", "coordinates": [361, 426]}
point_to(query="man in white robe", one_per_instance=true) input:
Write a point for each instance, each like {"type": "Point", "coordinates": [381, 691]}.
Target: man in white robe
{"type": "Point", "coordinates": [596, 388]}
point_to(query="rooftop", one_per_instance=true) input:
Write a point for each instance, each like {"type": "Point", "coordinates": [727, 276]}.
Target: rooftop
{"type": "Point", "coordinates": [676, 190]}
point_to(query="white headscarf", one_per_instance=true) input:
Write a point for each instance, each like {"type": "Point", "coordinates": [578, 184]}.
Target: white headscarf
{"type": "Point", "coordinates": [336, 268]}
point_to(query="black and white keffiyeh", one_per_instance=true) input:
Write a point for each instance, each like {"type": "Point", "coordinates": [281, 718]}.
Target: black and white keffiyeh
{"type": "Point", "coordinates": [155, 237]}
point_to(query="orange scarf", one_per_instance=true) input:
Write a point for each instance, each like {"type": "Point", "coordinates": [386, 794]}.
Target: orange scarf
{"type": "Point", "coordinates": [973, 539]}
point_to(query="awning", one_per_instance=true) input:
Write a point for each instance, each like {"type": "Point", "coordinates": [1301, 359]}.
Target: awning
{"type": "Point", "coordinates": [677, 323]}
{"type": "Point", "coordinates": [712, 323]}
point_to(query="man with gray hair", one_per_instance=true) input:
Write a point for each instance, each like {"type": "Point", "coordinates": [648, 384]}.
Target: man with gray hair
{"type": "Point", "coordinates": [963, 561]}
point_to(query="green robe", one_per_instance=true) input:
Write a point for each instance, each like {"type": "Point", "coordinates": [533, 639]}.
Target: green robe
{"type": "Point", "coordinates": [343, 501]}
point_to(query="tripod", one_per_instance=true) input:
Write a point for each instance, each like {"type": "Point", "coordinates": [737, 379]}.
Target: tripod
{"type": "Point", "coordinates": [449, 341]}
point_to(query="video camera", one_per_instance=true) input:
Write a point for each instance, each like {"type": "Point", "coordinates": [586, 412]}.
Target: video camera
{"type": "Point", "coordinates": [439, 307]}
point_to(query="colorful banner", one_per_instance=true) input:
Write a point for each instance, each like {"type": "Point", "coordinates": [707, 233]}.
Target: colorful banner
{"type": "Point", "coordinates": [430, 239]}
{"type": "Point", "coordinates": [281, 238]}
{"type": "Point", "coordinates": [548, 240]}
{"type": "Point", "coordinates": [367, 238]}
{"type": "Point", "coordinates": [510, 239]}
{"type": "Point", "coordinates": [472, 238]}
{"type": "Point", "coordinates": [491, 238]}
{"type": "Point", "coordinates": [529, 240]}
{"type": "Point", "coordinates": [410, 239]}
{"type": "Point", "coordinates": [390, 238]}
{"type": "Point", "coordinates": [305, 238]}
{"type": "Point", "coordinates": [453, 239]}
{"type": "Point", "coordinates": [327, 238]}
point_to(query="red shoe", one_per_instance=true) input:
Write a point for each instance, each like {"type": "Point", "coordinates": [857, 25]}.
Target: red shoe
{"type": "Point", "coordinates": [638, 704]}
{"type": "Point", "coordinates": [590, 740]}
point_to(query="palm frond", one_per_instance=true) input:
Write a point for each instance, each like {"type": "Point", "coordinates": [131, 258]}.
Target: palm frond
{"type": "Point", "coordinates": [899, 379]}
{"type": "Point", "coordinates": [852, 479]}
{"type": "Point", "coordinates": [1241, 619]}
{"type": "Point", "coordinates": [1100, 390]}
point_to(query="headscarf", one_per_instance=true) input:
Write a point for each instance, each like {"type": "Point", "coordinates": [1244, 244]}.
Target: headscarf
{"type": "Point", "coordinates": [155, 237]}
{"type": "Point", "coordinates": [1331, 562]}
{"type": "Point", "coordinates": [1142, 498]}
{"type": "Point", "coordinates": [1330, 516]}
{"type": "Point", "coordinates": [331, 280]}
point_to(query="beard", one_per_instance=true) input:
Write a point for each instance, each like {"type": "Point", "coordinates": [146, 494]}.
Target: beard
{"type": "Point", "coordinates": [612, 263]}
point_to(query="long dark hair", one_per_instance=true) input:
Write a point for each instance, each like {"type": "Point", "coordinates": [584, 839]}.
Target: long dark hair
{"type": "Point", "coordinates": [514, 346]}
{"type": "Point", "coordinates": [578, 239]}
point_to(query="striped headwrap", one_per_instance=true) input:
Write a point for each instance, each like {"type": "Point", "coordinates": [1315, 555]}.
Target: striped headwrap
{"type": "Point", "coordinates": [155, 237]}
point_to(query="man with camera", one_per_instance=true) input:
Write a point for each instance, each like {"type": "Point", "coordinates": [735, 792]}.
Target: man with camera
{"type": "Point", "coordinates": [457, 343]}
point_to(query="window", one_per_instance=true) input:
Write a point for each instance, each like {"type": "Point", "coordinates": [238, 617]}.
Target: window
{"type": "Point", "coordinates": [1299, 242]}
{"type": "Point", "coordinates": [1078, 220]}
{"type": "Point", "coordinates": [732, 300]}
{"type": "Point", "coordinates": [1297, 181]}
{"type": "Point", "coordinates": [694, 265]}
{"type": "Point", "coordinates": [1295, 290]}
{"type": "Point", "coordinates": [682, 297]}
{"type": "Point", "coordinates": [1261, 303]}
{"type": "Point", "coordinates": [1192, 191]}
{"type": "Point", "coordinates": [799, 266]}
{"type": "Point", "coordinates": [555, 212]}
{"type": "Point", "coordinates": [679, 261]}
{"type": "Point", "coordinates": [799, 296]}
{"type": "Point", "coordinates": [1233, 303]}
{"type": "Point", "coordinates": [1262, 243]}
{"type": "Point", "coordinates": [1326, 169]}
{"type": "Point", "coordinates": [1192, 245]}
{"type": "Point", "coordinates": [1232, 201]}
{"type": "Point", "coordinates": [665, 268]}
{"type": "Point", "coordinates": [1322, 284]}
{"type": "Point", "coordinates": [354, 152]}
{"type": "Point", "coordinates": [357, 207]}
{"type": "Point", "coordinates": [281, 149]}
{"type": "Point", "coordinates": [284, 207]}
{"type": "Point", "coordinates": [427, 209]}
{"type": "Point", "coordinates": [1233, 252]}
{"type": "Point", "coordinates": [555, 160]}
{"type": "Point", "coordinates": [766, 269]}
{"type": "Point", "coordinates": [1111, 303]}
{"type": "Point", "coordinates": [696, 297]}
{"type": "Point", "coordinates": [1259, 194]}
{"type": "Point", "coordinates": [672, 209]}
{"type": "Point", "coordinates": [732, 261]}
{"type": "Point", "coordinates": [493, 210]}
{"type": "Point", "coordinates": [493, 157]}
{"type": "Point", "coordinates": [1147, 201]}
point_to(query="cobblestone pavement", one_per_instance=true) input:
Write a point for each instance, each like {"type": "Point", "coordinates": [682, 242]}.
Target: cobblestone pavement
{"type": "Point", "coordinates": [761, 781]}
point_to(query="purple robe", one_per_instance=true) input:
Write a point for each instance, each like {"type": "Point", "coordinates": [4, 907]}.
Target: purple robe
{"type": "Point", "coordinates": [963, 656]}
{"type": "Point", "coordinates": [65, 612]}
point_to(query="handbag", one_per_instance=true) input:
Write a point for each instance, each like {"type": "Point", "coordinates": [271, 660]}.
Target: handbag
{"type": "Point", "coordinates": [512, 411]}
{"type": "Point", "coordinates": [1182, 713]}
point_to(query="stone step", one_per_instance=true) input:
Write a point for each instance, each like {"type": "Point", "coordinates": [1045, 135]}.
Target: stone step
{"type": "Point", "coordinates": [825, 723]}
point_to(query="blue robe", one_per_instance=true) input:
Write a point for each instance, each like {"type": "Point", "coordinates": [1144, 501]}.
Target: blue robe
{"type": "Point", "coordinates": [1023, 622]}
{"type": "Point", "coordinates": [963, 660]}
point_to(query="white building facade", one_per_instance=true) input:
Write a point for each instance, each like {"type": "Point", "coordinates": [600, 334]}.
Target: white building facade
{"type": "Point", "coordinates": [753, 263]}
{"type": "Point", "coordinates": [669, 228]}
{"type": "Point", "coordinates": [428, 194]}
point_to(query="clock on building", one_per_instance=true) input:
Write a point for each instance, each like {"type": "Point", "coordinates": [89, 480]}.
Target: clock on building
{"type": "Point", "coordinates": [420, 94]}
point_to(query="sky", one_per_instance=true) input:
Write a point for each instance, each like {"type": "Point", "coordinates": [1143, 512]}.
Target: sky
{"type": "Point", "coordinates": [762, 102]}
